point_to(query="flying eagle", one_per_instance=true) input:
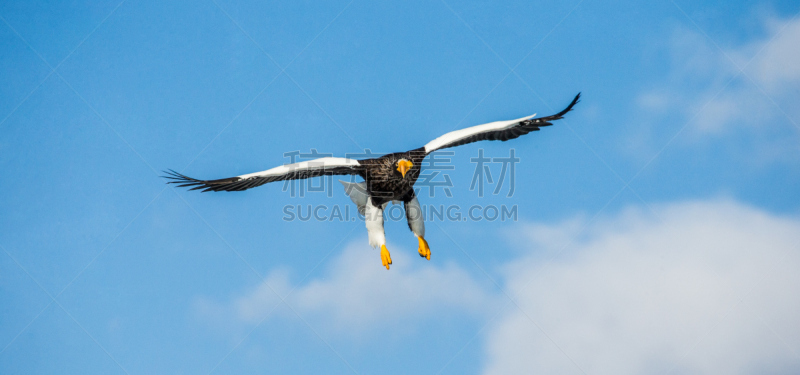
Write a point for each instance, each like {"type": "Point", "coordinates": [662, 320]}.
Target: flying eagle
{"type": "Point", "coordinates": [389, 178]}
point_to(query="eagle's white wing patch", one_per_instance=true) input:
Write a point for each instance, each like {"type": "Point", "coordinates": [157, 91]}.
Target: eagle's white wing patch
{"type": "Point", "coordinates": [456, 135]}
{"type": "Point", "coordinates": [321, 163]}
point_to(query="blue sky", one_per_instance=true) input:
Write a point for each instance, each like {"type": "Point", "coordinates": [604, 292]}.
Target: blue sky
{"type": "Point", "coordinates": [658, 227]}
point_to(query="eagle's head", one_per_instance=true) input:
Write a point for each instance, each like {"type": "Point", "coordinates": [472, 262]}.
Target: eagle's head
{"type": "Point", "coordinates": [403, 166]}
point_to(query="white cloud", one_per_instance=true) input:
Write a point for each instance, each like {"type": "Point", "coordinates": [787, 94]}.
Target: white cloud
{"type": "Point", "coordinates": [700, 72]}
{"type": "Point", "coordinates": [778, 65]}
{"type": "Point", "coordinates": [358, 290]}
{"type": "Point", "coordinates": [704, 287]}
{"type": "Point", "coordinates": [356, 293]}
{"type": "Point", "coordinates": [710, 288]}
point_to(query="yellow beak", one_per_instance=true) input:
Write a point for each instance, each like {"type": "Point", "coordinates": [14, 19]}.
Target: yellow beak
{"type": "Point", "coordinates": [404, 166]}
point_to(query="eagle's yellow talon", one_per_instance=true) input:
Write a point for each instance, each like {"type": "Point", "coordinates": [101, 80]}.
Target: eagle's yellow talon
{"type": "Point", "coordinates": [424, 250]}
{"type": "Point", "coordinates": [386, 259]}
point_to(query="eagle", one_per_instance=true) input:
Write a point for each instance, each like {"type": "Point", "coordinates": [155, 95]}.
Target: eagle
{"type": "Point", "coordinates": [389, 178]}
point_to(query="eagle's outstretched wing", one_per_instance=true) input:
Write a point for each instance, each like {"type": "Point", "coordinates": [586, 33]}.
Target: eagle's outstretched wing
{"type": "Point", "coordinates": [496, 131]}
{"type": "Point", "coordinates": [297, 171]}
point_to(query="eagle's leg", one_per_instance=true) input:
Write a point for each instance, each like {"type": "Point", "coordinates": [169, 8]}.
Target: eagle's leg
{"type": "Point", "coordinates": [373, 216]}
{"type": "Point", "coordinates": [424, 250]}
{"type": "Point", "coordinates": [386, 258]}
{"type": "Point", "coordinates": [416, 222]}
